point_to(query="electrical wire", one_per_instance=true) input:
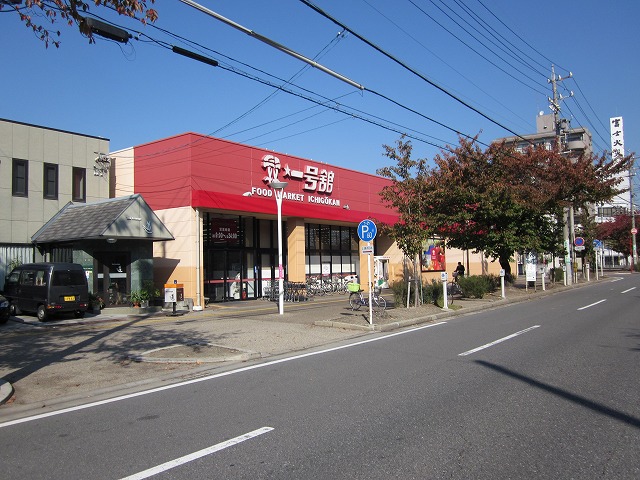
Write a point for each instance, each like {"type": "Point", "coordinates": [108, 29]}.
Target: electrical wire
{"type": "Point", "coordinates": [407, 67]}
{"type": "Point", "coordinates": [444, 61]}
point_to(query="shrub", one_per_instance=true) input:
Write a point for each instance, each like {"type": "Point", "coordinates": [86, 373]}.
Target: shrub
{"type": "Point", "coordinates": [430, 292]}
{"type": "Point", "coordinates": [558, 274]}
{"type": "Point", "coordinates": [475, 286]}
{"type": "Point", "coordinates": [494, 281]}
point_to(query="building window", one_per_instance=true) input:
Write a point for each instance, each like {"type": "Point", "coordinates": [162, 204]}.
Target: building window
{"type": "Point", "coordinates": [331, 245]}
{"type": "Point", "coordinates": [20, 178]}
{"type": "Point", "coordinates": [612, 211]}
{"type": "Point", "coordinates": [50, 181]}
{"type": "Point", "coordinates": [79, 185]}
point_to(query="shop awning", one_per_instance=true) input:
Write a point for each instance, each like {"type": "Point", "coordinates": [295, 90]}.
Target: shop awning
{"type": "Point", "coordinates": [124, 218]}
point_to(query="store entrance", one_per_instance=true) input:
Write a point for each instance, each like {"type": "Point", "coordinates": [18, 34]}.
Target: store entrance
{"type": "Point", "coordinates": [112, 281]}
{"type": "Point", "coordinates": [230, 275]}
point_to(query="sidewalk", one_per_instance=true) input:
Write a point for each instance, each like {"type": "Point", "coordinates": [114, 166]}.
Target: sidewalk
{"type": "Point", "coordinates": [47, 365]}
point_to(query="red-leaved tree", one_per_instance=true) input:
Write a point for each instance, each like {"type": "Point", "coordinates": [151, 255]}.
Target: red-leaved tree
{"type": "Point", "coordinates": [42, 15]}
{"type": "Point", "coordinates": [497, 200]}
{"type": "Point", "coordinates": [617, 233]}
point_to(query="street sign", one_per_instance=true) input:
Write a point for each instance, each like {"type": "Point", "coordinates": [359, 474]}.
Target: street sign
{"type": "Point", "coordinates": [367, 250]}
{"type": "Point", "coordinates": [443, 276]}
{"type": "Point", "coordinates": [367, 230]}
{"type": "Point", "coordinates": [579, 242]}
{"type": "Point", "coordinates": [634, 231]}
{"type": "Point", "coordinates": [597, 244]}
{"type": "Point", "coordinates": [578, 248]}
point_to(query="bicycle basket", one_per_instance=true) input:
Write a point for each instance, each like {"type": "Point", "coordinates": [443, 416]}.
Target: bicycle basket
{"type": "Point", "coordinates": [353, 287]}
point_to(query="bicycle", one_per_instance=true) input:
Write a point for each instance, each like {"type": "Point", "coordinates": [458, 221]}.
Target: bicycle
{"type": "Point", "coordinates": [357, 299]}
{"type": "Point", "coordinates": [453, 289]}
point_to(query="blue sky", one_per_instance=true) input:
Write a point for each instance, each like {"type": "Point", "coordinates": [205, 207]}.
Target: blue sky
{"type": "Point", "coordinates": [140, 92]}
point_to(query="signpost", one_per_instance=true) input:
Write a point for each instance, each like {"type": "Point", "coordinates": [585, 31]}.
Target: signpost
{"type": "Point", "coordinates": [597, 245]}
{"type": "Point", "coordinates": [443, 279]}
{"type": "Point", "coordinates": [173, 292]}
{"type": "Point", "coordinates": [367, 231]}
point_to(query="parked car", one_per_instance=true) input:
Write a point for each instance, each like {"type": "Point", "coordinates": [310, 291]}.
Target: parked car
{"type": "Point", "coordinates": [46, 289]}
{"type": "Point", "coordinates": [4, 310]}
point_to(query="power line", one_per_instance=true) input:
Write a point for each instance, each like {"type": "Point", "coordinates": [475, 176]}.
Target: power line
{"type": "Point", "coordinates": [444, 61]}
{"type": "Point", "coordinates": [480, 42]}
{"type": "Point", "coordinates": [404, 65]}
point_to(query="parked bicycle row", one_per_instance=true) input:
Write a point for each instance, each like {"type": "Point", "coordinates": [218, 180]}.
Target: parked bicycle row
{"type": "Point", "coordinates": [314, 286]}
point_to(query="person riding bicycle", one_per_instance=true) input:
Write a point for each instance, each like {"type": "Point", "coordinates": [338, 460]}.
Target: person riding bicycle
{"type": "Point", "coordinates": [458, 272]}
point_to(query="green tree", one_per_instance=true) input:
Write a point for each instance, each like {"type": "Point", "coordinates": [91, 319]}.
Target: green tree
{"type": "Point", "coordinates": [499, 200]}
{"type": "Point", "coordinates": [39, 14]}
{"type": "Point", "coordinates": [409, 232]}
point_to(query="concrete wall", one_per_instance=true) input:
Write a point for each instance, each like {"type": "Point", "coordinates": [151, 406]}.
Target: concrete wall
{"type": "Point", "coordinates": [21, 217]}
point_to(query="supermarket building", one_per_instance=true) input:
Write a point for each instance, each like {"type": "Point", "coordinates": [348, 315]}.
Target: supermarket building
{"type": "Point", "coordinates": [215, 197]}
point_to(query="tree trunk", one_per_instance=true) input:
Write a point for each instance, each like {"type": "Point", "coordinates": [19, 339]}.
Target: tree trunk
{"type": "Point", "coordinates": [505, 265]}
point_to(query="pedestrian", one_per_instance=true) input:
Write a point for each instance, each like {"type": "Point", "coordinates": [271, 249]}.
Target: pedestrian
{"type": "Point", "coordinates": [458, 272]}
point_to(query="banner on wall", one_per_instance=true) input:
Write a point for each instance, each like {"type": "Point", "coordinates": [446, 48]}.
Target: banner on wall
{"type": "Point", "coordinates": [433, 256]}
{"type": "Point", "coordinates": [224, 230]}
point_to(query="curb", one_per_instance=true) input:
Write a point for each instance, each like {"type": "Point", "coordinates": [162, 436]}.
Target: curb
{"type": "Point", "coordinates": [6, 391]}
{"type": "Point", "coordinates": [427, 318]}
{"type": "Point", "coordinates": [232, 355]}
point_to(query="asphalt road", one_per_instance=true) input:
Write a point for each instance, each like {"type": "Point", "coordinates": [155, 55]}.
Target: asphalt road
{"type": "Point", "coordinates": [542, 389]}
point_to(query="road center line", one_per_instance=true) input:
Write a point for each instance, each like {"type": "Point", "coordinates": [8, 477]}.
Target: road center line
{"type": "Point", "coordinates": [195, 455]}
{"type": "Point", "coordinates": [508, 337]}
{"type": "Point", "coordinates": [628, 290]}
{"type": "Point", "coordinates": [592, 304]}
{"type": "Point", "coordinates": [211, 377]}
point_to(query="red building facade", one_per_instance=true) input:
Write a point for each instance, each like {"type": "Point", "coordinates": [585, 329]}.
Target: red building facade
{"type": "Point", "coordinates": [216, 199]}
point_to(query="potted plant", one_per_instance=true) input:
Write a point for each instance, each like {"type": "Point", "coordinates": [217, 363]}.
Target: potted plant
{"type": "Point", "coordinates": [148, 292]}
{"type": "Point", "coordinates": [144, 298]}
{"type": "Point", "coordinates": [135, 299]}
{"type": "Point", "coordinates": [96, 303]}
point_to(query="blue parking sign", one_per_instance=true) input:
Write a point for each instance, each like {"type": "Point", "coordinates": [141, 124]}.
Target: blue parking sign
{"type": "Point", "coordinates": [367, 230]}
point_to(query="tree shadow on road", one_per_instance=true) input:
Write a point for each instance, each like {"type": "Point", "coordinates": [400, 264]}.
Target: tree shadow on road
{"type": "Point", "coordinates": [24, 354]}
{"type": "Point", "coordinates": [585, 402]}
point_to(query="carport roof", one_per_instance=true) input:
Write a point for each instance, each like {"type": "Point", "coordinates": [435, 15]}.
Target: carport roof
{"type": "Point", "coordinates": [123, 218]}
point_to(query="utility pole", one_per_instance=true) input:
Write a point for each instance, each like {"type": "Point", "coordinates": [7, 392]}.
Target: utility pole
{"type": "Point", "coordinates": [568, 233]}
{"type": "Point", "coordinates": [634, 251]}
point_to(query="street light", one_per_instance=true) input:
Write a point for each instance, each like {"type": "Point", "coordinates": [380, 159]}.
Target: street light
{"type": "Point", "coordinates": [278, 188]}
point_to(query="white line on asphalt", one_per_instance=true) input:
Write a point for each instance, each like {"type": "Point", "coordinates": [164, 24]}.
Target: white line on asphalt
{"type": "Point", "coordinates": [195, 455]}
{"type": "Point", "coordinates": [209, 377]}
{"type": "Point", "coordinates": [628, 290]}
{"type": "Point", "coordinates": [592, 304]}
{"type": "Point", "coordinates": [469, 352]}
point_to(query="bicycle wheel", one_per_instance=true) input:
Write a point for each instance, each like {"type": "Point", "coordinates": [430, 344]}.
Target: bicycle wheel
{"type": "Point", "coordinates": [379, 304]}
{"type": "Point", "coordinates": [450, 292]}
{"type": "Point", "coordinates": [355, 301]}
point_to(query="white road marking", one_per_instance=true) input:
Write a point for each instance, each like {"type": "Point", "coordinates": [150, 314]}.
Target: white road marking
{"type": "Point", "coordinates": [628, 290]}
{"type": "Point", "coordinates": [469, 352]}
{"type": "Point", "coordinates": [208, 377]}
{"type": "Point", "coordinates": [592, 304]}
{"type": "Point", "coordinates": [195, 455]}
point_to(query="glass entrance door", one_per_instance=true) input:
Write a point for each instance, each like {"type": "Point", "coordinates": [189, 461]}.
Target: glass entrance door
{"type": "Point", "coordinates": [112, 280]}
{"type": "Point", "coordinates": [230, 275]}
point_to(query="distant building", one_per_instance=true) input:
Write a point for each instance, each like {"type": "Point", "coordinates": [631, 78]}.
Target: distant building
{"type": "Point", "coordinates": [575, 141]}
{"type": "Point", "coordinates": [55, 205]}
